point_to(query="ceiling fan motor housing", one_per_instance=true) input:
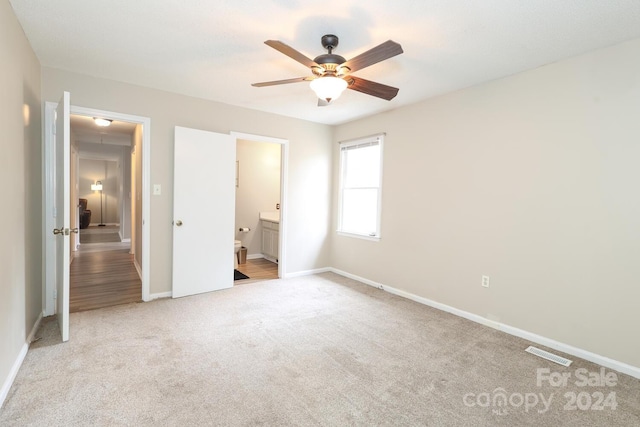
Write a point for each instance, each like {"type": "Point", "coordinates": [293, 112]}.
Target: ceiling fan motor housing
{"type": "Point", "coordinates": [329, 41]}
{"type": "Point", "coordinates": [328, 62]}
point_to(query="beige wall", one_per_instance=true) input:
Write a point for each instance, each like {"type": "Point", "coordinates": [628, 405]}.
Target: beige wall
{"type": "Point", "coordinates": [531, 180]}
{"type": "Point", "coordinates": [107, 171]}
{"type": "Point", "coordinates": [309, 160]}
{"type": "Point", "coordinates": [20, 173]}
{"type": "Point", "coordinates": [259, 189]}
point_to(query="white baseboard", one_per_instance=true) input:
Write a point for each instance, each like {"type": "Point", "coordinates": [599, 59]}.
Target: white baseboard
{"type": "Point", "coordinates": [268, 258]}
{"type": "Point", "coordinates": [125, 240]}
{"type": "Point", "coordinates": [138, 268]}
{"type": "Point", "coordinates": [160, 295]}
{"type": "Point", "coordinates": [625, 368]}
{"type": "Point", "coordinates": [6, 386]}
{"type": "Point", "coordinates": [307, 272]}
{"type": "Point", "coordinates": [255, 256]}
{"type": "Point", "coordinates": [36, 325]}
{"type": "Point", "coordinates": [4, 392]}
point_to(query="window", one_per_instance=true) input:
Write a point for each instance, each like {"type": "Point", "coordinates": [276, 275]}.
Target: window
{"type": "Point", "coordinates": [360, 187]}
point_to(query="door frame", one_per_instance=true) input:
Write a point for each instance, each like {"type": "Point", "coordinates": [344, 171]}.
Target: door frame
{"type": "Point", "coordinates": [49, 266]}
{"type": "Point", "coordinates": [284, 185]}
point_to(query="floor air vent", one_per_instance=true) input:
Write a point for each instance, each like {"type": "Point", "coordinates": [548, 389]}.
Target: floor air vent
{"type": "Point", "coordinates": [549, 356]}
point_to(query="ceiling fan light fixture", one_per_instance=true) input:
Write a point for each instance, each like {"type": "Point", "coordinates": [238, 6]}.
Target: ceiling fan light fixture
{"type": "Point", "coordinates": [102, 122]}
{"type": "Point", "coordinates": [328, 87]}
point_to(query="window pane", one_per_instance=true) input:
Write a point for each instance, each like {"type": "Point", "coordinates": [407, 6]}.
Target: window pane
{"type": "Point", "coordinates": [360, 211]}
{"type": "Point", "coordinates": [362, 167]}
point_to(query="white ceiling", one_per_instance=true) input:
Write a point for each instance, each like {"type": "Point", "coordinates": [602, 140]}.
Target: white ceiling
{"type": "Point", "coordinates": [214, 49]}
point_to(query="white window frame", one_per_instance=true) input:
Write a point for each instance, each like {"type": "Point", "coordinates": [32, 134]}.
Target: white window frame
{"type": "Point", "coordinates": [364, 142]}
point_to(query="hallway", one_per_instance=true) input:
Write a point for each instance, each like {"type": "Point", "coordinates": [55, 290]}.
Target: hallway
{"type": "Point", "coordinates": [103, 274]}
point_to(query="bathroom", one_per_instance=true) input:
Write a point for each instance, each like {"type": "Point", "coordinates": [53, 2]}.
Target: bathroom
{"type": "Point", "coordinates": [258, 186]}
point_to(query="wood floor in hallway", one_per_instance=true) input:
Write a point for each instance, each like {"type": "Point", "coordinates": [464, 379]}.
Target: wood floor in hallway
{"type": "Point", "coordinates": [102, 279]}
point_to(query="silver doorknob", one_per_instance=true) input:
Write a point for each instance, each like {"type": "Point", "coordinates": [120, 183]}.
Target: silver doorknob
{"type": "Point", "coordinates": [57, 231]}
{"type": "Point", "coordinates": [74, 230]}
{"type": "Point", "coordinates": [178, 223]}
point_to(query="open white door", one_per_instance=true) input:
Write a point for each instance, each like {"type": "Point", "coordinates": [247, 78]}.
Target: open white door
{"type": "Point", "coordinates": [203, 211]}
{"type": "Point", "coordinates": [61, 202]}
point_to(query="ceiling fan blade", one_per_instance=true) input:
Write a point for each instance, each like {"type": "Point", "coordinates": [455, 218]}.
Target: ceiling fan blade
{"type": "Point", "coordinates": [290, 52]}
{"type": "Point", "coordinates": [379, 53]}
{"type": "Point", "coordinates": [322, 102]}
{"type": "Point", "coordinates": [372, 88]}
{"type": "Point", "coordinates": [283, 82]}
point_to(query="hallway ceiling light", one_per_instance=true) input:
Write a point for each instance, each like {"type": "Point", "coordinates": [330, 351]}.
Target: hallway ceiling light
{"type": "Point", "coordinates": [102, 122]}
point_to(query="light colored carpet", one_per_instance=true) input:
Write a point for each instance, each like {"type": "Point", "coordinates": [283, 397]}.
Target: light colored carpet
{"type": "Point", "coordinates": [317, 350]}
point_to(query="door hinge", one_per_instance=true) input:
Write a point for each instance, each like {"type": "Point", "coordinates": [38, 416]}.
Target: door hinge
{"type": "Point", "coordinates": [55, 294]}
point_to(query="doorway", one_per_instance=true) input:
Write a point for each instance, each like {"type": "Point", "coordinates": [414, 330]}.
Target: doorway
{"type": "Point", "coordinates": [140, 240]}
{"type": "Point", "coordinates": [103, 175]}
{"type": "Point", "coordinates": [258, 171]}
{"type": "Point", "coordinates": [259, 208]}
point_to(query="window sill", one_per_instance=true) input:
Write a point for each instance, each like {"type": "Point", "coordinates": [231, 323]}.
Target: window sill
{"type": "Point", "coordinates": [359, 236]}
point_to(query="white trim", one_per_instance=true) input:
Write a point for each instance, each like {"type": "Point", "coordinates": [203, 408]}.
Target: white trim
{"type": "Point", "coordinates": [272, 259]}
{"type": "Point", "coordinates": [137, 266]}
{"type": "Point", "coordinates": [125, 240]}
{"type": "Point", "coordinates": [260, 138]}
{"type": "Point", "coordinates": [49, 265]}
{"type": "Point", "coordinates": [160, 295]}
{"type": "Point", "coordinates": [352, 140]}
{"type": "Point", "coordinates": [284, 189]}
{"type": "Point", "coordinates": [255, 256]}
{"type": "Point", "coordinates": [625, 368]}
{"type": "Point", "coordinates": [48, 245]}
{"type": "Point", "coordinates": [308, 272]}
{"type": "Point", "coordinates": [34, 330]}
{"type": "Point", "coordinates": [358, 236]}
{"type": "Point", "coordinates": [4, 391]}
{"type": "Point", "coordinates": [145, 271]}
{"type": "Point", "coordinates": [6, 386]}
{"type": "Point", "coordinates": [344, 146]}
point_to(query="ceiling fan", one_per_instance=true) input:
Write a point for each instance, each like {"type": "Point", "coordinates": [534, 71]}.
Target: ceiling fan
{"type": "Point", "coordinates": [332, 73]}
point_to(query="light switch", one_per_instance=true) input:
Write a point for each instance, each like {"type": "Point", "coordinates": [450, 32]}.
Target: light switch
{"type": "Point", "coordinates": [157, 189]}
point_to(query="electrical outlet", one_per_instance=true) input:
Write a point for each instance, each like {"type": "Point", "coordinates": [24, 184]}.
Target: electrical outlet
{"type": "Point", "coordinates": [277, 206]}
{"type": "Point", "coordinates": [157, 189]}
{"type": "Point", "coordinates": [485, 281]}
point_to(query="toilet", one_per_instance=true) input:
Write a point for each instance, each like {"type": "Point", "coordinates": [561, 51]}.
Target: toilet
{"type": "Point", "coordinates": [237, 246]}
